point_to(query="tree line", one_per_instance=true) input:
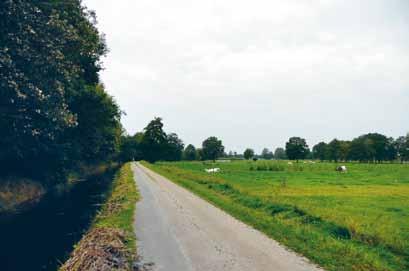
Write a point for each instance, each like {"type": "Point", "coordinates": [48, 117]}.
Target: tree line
{"type": "Point", "coordinates": [153, 144]}
{"type": "Point", "coordinates": [372, 147]}
{"type": "Point", "coordinates": [55, 114]}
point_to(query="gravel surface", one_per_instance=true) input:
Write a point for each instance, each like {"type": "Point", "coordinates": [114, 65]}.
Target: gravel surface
{"type": "Point", "coordinates": [177, 231]}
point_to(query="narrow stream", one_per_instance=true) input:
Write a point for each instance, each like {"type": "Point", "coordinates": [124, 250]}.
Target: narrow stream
{"type": "Point", "coordinates": [42, 238]}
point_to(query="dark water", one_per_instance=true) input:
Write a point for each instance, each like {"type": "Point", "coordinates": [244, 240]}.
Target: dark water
{"type": "Point", "coordinates": [42, 238]}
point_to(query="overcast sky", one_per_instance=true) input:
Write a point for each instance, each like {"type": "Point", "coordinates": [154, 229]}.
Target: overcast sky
{"type": "Point", "coordinates": [254, 73]}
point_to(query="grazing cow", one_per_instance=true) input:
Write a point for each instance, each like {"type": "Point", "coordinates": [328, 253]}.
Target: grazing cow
{"type": "Point", "coordinates": [290, 163]}
{"type": "Point", "coordinates": [341, 169]}
{"type": "Point", "coordinates": [212, 170]}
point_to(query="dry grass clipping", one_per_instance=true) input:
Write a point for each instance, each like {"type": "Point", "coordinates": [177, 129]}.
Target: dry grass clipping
{"type": "Point", "coordinates": [101, 249]}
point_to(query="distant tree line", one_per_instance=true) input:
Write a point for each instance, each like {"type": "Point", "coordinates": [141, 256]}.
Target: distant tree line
{"type": "Point", "coordinates": [55, 115]}
{"type": "Point", "coordinates": [153, 144]}
{"type": "Point", "coordinates": [372, 147]}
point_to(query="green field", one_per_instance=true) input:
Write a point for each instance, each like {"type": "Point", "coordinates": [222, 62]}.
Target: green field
{"type": "Point", "coordinates": [357, 220]}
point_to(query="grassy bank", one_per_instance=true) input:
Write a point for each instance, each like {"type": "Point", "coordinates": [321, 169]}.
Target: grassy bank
{"type": "Point", "coordinates": [16, 193]}
{"type": "Point", "coordinates": [343, 221]}
{"type": "Point", "coordinates": [110, 242]}
{"type": "Point", "coordinates": [19, 194]}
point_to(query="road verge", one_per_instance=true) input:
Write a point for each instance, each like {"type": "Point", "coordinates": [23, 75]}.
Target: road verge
{"type": "Point", "coordinates": [110, 242]}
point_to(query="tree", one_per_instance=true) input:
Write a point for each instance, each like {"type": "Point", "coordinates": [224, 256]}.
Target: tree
{"type": "Point", "coordinates": [199, 154]}
{"type": "Point", "coordinates": [130, 148]}
{"type": "Point", "coordinates": [174, 148]}
{"type": "Point", "coordinates": [334, 150]}
{"type": "Point", "coordinates": [49, 57]}
{"type": "Point", "coordinates": [361, 150]}
{"type": "Point", "coordinates": [189, 153]}
{"type": "Point", "coordinates": [248, 154]}
{"type": "Point", "coordinates": [402, 147]}
{"type": "Point", "coordinates": [344, 149]}
{"type": "Point", "coordinates": [320, 151]}
{"type": "Point", "coordinates": [154, 142]}
{"type": "Point", "coordinates": [212, 148]}
{"type": "Point", "coordinates": [96, 136]}
{"type": "Point", "coordinates": [391, 150]}
{"type": "Point", "coordinates": [380, 146]}
{"type": "Point", "coordinates": [280, 154]}
{"type": "Point", "coordinates": [296, 148]}
{"type": "Point", "coordinates": [371, 147]}
{"type": "Point", "coordinates": [267, 154]}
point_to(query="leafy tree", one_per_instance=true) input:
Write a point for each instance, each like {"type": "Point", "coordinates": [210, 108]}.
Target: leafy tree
{"type": "Point", "coordinates": [320, 151]}
{"type": "Point", "coordinates": [96, 136]}
{"type": "Point", "coordinates": [344, 149]}
{"type": "Point", "coordinates": [154, 141]}
{"type": "Point", "coordinates": [334, 150]}
{"type": "Point", "coordinates": [212, 148]}
{"type": "Point", "coordinates": [267, 154]}
{"type": "Point", "coordinates": [189, 153]}
{"type": "Point", "coordinates": [280, 154]}
{"type": "Point", "coordinates": [199, 154]}
{"type": "Point", "coordinates": [296, 148]}
{"type": "Point", "coordinates": [174, 148]}
{"type": "Point", "coordinates": [130, 148]}
{"type": "Point", "coordinates": [402, 147]}
{"type": "Point", "coordinates": [372, 147]}
{"type": "Point", "coordinates": [379, 145]}
{"type": "Point", "coordinates": [361, 149]}
{"type": "Point", "coordinates": [49, 58]}
{"type": "Point", "coordinates": [248, 154]}
{"type": "Point", "coordinates": [391, 150]}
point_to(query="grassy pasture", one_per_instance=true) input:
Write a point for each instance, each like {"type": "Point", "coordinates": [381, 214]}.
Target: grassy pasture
{"type": "Point", "coordinates": [357, 220]}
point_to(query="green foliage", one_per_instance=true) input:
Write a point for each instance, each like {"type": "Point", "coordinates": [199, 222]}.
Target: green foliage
{"type": "Point", "coordinates": [49, 94]}
{"type": "Point", "coordinates": [280, 154]}
{"type": "Point", "coordinates": [174, 148]}
{"type": "Point", "coordinates": [152, 144]}
{"type": "Point", "coordinates": [97, 135]}
{"type": "Point", "coordinates": [402, 147]}
{"type": "Point", "coordinates": [352, 221]}
{"type": "Point", "coordinates": [212, 148]}
{"type": "Point", "coordinates": [189, 153]}
{"type": "Point", "coordinates": [320, 151]}
{"type": "Point", "coordinates": [248, 153]}
{"type": "Point", "coordinates": [372, 147]}
{"type": "Point", "coordinates": [267, 154]}
{"type": "Point", "coordinates": [296, 148]}
{"type": "Point", "coordinates": [154, 141]}
{"type": "Point", "coordinates": [130, 148]}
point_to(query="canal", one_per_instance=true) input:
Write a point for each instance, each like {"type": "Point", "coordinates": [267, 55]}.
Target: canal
{"type": "Point", "coordinates": [43, 237]}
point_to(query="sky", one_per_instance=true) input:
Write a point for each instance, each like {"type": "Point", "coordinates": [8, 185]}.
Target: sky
{"type": "Point", "coordinates": [255, 73]}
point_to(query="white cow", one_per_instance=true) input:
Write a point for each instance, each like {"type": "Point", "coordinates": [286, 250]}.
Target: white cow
{"type": "Point", "coordinates": [212, 170]}
{"type": "Point", "coordinates": [342, 168]}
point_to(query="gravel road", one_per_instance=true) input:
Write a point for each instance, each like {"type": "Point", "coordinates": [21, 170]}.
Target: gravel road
{"type": "Point", "coordinates": [177, 231]}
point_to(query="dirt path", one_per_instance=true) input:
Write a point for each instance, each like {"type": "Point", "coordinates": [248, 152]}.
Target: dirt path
{"type": "Point", "coordinates": [177, 231]}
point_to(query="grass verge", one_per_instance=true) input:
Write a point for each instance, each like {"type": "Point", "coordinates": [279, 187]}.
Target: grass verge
{"type": "Point", "coordinates": [110, 243]}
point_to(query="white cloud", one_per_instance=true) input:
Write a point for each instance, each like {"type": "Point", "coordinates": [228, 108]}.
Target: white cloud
{"type": "Point", "coordinates": [256, 72]}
